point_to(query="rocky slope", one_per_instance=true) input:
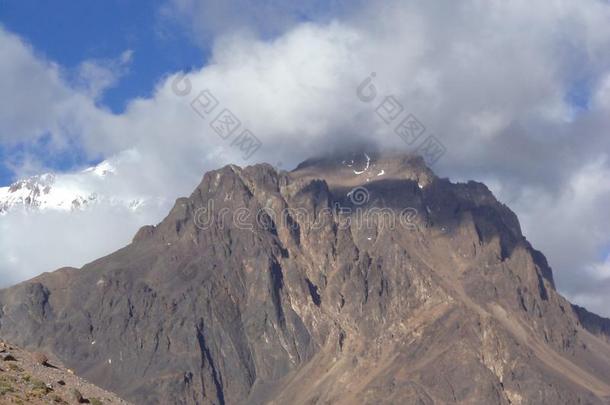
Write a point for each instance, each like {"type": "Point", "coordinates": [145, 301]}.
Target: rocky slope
{"type": "Point", "coordinates": [357, 279]}
{"type": "Point", "coordinates": [32, 378]}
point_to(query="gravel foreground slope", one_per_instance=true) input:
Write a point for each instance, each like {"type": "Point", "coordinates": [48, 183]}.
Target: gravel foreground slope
{"type": "Point", "coordinates": [28, 378]}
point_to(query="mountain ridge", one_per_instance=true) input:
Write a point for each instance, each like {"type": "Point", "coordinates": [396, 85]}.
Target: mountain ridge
{"type": "Point", "coordinates": [453, 306]}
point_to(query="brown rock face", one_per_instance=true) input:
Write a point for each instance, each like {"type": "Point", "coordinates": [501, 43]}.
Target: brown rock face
{"type": "Point", "coordinates": [351, 280]}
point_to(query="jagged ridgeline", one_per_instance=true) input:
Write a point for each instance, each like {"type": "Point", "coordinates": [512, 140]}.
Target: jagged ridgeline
{"type": "Point", "coordinates": [357, 279]}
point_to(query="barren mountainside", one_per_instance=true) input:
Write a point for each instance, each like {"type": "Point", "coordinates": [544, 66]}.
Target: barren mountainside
{"type": "Point", "coordinates": [359, 279]}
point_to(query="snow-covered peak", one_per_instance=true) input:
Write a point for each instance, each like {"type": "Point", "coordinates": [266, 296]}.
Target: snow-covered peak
{"type": "Point", "coordinates": [64, 192]}
{"type": "Point", "coordinates": [103, 169]}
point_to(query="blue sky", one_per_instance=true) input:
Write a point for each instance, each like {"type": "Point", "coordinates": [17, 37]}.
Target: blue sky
{"type": "Point", "coordinates": [104, 29]}
{"type": "Point", "coordinates": [70, 32]}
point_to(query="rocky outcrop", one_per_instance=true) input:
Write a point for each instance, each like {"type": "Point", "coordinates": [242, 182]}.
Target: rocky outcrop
{"type": "Point", "coordinates": [353, 279]}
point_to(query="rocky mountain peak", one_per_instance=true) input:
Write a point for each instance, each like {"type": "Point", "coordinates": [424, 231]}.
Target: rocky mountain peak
{"type": "Point", "coordinates": [362, 167]}
{"type": "Point", "coordinates": [362, 279]}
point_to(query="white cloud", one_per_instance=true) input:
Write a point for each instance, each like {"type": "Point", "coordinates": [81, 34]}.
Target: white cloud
{"type": "Point", "coordinates": [35, 242]}
{"type": "Point", "coordinates": [601, 271]}
{"type": "Point", "coordinates": [37, 101]}
{"type": "Point", "coordinates": [97, 75]}
{"type": "Point", "coordinates": [491, 79]}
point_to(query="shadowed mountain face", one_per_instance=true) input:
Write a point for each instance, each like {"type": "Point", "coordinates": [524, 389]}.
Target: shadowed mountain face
{"type": "Point", "coordinates": [351, 280]}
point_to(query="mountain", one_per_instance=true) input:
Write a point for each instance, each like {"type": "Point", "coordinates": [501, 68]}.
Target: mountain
{"type": "Point", "coordinates": [357, 279]}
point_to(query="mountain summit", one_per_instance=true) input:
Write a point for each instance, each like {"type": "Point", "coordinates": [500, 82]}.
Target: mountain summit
{"type": "Point", "coordinates": [356, 279]}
